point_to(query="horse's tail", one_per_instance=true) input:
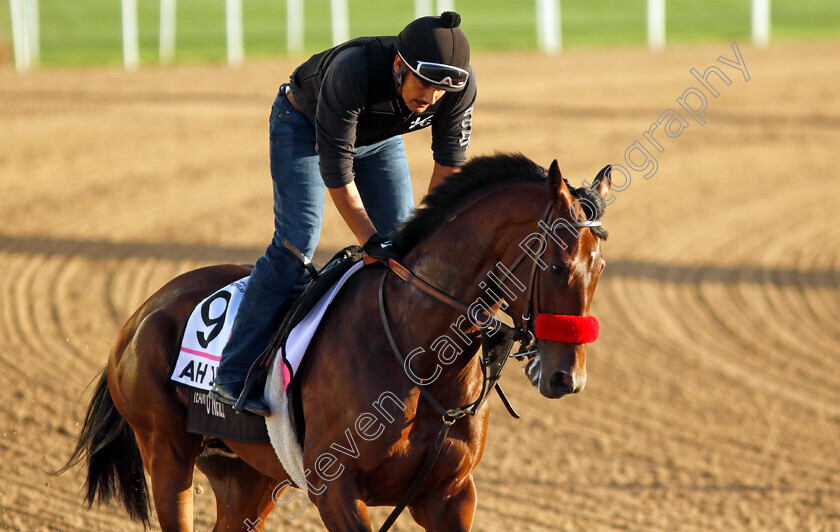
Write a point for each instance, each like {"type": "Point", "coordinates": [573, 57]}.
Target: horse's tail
{"type": "Point", "coordinates": [114, 464]}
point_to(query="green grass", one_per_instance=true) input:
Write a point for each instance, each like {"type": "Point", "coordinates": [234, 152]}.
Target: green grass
{"type": "Point", "coordinates": [89, 32]}
{"type": "Point", "coordinates": [805, 19]}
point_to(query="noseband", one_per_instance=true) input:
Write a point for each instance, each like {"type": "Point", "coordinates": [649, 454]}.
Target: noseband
{"type": "Point", "coordinates": [551, 327]}
{"type": "Point", "coordinates": [564, 328]}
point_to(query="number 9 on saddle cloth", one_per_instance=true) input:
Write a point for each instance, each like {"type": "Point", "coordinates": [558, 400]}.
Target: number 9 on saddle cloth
{"type": "Point", "coordinates": [209, 325]}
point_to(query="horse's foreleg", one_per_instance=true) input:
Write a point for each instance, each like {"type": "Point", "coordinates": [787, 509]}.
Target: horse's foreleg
{"type": "Point", "coordinates": [454, 512]}
{"type": "Point", "coordinates": [243, 494]}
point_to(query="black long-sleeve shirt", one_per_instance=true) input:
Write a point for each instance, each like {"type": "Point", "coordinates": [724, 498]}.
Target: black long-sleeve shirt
{"type": "Point", "coordinates": [357, 104]}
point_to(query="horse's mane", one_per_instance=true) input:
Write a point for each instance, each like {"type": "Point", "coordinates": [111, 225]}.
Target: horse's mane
{"type": "Point", "coordinates": [478, 175]}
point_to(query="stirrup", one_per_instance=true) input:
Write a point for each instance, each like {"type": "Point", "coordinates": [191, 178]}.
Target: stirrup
{"type": "Point", "coordinates": [254, 377]}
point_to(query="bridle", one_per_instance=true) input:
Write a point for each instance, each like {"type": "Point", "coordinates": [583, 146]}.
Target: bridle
{"type": "Point", "coordinates": [531, 323]}
{"type": "Point", "coordinates": [494, 358]}
{"type": "Point", "coordinates": [528, 329]}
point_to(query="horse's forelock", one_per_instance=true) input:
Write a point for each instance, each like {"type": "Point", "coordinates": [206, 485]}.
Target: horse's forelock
{"type": "Point", "coordinates": [592, 199]}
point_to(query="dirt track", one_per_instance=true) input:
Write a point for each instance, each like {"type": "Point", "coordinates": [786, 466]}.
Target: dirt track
{"type": "Point", "coordinates": [713, 400]}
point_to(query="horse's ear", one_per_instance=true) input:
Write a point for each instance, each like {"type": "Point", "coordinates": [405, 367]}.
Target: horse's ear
{"type": "Point", "coordinates": [602, 183]}
{"type": "Point", "coordinates": [560, 195]}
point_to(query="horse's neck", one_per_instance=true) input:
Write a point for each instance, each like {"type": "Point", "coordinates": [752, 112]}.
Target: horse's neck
{"type": "Point", "coordinates": [462, 252]}
{"type": "Point", "coordinates": [455, 260]}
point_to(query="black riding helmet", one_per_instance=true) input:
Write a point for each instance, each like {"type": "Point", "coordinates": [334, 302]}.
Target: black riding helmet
{"type": "Point", "coordinates": [436, 51]}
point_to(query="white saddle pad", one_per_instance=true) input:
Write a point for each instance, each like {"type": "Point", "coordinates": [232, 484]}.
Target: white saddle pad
{"type": "Point", "coordinates": [302, 334]}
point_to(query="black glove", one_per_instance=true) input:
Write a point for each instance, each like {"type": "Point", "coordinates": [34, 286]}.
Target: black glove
{"type": "Point", "coordinates": [380, 248]}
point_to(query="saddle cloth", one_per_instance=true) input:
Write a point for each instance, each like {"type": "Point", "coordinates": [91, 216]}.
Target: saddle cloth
{"type": "Point", "coordinates": [204, 337]}
{"type": "Point", "coordinates": [208, 330]}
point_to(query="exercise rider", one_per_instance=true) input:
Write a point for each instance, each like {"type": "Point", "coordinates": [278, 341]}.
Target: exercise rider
{"type": "Point", "coordinates": [337, 124]}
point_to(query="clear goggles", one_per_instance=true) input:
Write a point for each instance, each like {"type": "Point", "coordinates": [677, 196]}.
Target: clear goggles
{"type": "Point", "coordinates": [439, 76]}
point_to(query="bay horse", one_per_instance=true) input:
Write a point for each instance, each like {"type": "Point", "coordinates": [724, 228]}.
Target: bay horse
{"type": "Point", "coordinates": [477, 224]}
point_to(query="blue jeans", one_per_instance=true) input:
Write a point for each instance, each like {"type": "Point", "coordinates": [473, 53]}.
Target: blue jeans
{"type": "Point", "coordinates": [384, 184]}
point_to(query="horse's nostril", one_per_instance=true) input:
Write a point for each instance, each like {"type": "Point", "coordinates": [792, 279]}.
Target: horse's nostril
{"type": "Point", "coordinates": [561, 382]}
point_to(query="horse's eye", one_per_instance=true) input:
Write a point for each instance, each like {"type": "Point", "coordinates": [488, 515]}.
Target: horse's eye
{"type": "Point", "coordinates": [560, 270]}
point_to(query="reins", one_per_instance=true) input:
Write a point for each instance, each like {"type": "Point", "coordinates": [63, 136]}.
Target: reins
{"type": "Point", "coordinates": [450, 416]}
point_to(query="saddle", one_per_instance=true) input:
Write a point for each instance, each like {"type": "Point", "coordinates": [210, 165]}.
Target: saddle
{"type": "Point", "coordinates": [305, 295]}
{"type": "Point", "coordinates": [311, 291]}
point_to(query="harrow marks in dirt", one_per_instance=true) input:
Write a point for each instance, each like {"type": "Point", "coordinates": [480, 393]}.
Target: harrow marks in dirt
{"type": "Point", "coordinates": [713, 399]}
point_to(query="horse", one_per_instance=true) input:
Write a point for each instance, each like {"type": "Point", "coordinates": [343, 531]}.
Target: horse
{"type": "Point", "coordinates": [371, 424]}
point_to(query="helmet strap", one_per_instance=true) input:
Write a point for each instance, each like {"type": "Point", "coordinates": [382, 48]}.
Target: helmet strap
{"type": "Point", "coordinates": [398, 76]}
